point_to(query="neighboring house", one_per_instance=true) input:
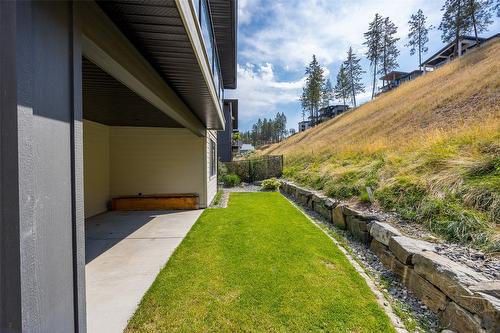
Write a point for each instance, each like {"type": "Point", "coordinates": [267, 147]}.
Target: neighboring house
{"type": "Point", "coordinates": [449, 51]}
{"type": "Point", "coordinates": [99, 100]}
{"type": "Point", "coordinates": [236, 145]}
{"type": "Point", "coordinates": [226, 147]}
{"type": "Point", "coordinates": [325, 113]}
{"type": "Point", "coordinates": [395, 78]}
{"type": "Point", "coordinates": [304, 124]}
{"type": "Point", "coordinates": [331, 111]}
{"type": "Point", "coordinates": [246, 148]}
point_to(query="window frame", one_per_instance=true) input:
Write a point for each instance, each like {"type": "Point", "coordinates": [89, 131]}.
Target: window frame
{"type": "Point", "coordinates": [213, 159]}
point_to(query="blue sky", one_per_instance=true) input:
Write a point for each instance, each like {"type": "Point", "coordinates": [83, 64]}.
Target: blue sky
{"type": "Point", "coordinates": [277, 38]}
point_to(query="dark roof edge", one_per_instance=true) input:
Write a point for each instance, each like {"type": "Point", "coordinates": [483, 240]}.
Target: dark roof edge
{"type": "Point", "coordinates": [225, 18]}
{"type": "Point", "coordinates": [482, 39]}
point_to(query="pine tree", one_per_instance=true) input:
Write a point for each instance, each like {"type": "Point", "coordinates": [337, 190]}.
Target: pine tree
{"type": "Point", "coordinates": [311, 93]}
{"type": "Point", "coordinates": [454, 22]}
{"type": "Point", "coordinates": [354, 71]}
{"type": "Point", "coordinates": [497, 8]}
{"type": "Point", "coordinates": [390, 51]}
{"type": "Point", "coordinates": [418, 35]}
{"type": "Point", "coordinates": [304, 101]}
{"type": "Point", "coordinates": [342, 86]}
{"type": "Point", "coordinates": [478, 14]}
{"type": "Point", "coordinates": [327, 94]}
{"type": "Point", "coordinates": [374, 43]}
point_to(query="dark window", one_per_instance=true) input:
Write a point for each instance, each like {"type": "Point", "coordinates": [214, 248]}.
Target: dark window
{"type": "Point", "coordinates": [213, 158]}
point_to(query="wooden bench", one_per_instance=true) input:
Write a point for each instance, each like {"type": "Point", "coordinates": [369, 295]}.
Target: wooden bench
{"type": "Point", "coordinates": [156, 202]}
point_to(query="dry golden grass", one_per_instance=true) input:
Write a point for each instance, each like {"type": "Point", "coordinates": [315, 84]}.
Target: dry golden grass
{"type": "Point", "coordinates": [461, 96]}
{"type": "Point", "coordinates": [430, 149]}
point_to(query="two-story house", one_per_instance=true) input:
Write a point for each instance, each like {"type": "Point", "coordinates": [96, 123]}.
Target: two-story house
{"type": "Point", "coordinates": [99, 100]}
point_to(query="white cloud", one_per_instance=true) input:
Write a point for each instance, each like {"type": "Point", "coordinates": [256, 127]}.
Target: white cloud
{"type": "Point", "coordinates": [247, 9]}
{"type": "Point", "coordinates": [260, 92]}
{"type": "Point", "coordinates": [299, 29]}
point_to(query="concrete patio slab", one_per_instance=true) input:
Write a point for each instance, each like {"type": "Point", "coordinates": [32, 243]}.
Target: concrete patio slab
{"type": "Point", "coordinates": [124, 253]}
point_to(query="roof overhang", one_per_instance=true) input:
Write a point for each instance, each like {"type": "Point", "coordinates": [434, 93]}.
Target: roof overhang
{"type": "Point", "coordinates": [449, 48]}
{"type": "Point", "coordinates": [393, 75]}
{"type": "Point", "coordinates": [165, 34]}
{"type": "Point", "coordinates": [224, 18]}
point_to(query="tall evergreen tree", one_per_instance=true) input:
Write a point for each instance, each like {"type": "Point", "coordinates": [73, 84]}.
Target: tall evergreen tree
{"type": "Point", "coordinates": [354, 72]}
{"type": "Point", "coordinates": [374, 44]}
{"type": "Point", "coordinates": [390, 52]}
{"type": "Point", "coordinates": [478, 13]}
{"type": "Point", "coordinates": [454, 22]}
{"type": "Point", "coordinates": [311, 94]}
{"type": "Point", "coordinates": [497, 8]}
{"type": "Point", "coordinates": [304, 101]}
{"type": "Point", "coordinates": [327, 94]}
{"type": "Point", "coordinates": [418, 35]}
{"type": "Point", "coordinates": [342, 86]}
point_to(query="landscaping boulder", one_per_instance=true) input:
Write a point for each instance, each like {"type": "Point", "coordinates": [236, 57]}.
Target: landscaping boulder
{"type": "Point", "coordinates": [490, 315]}
{"type": "Point", "coordinates": [349, 211]}
{"type": "Point", "coordinates": [284, 187]}
{"type": "Point", "coordinates": [330, 203]}
{"type": "Point", "coordinates": [338, 217]}
{"type": "Point", "coordinates": [402, 271]}
{"type": "Point", "coordinates": [425, 291]}
{"type": "Point", "coordinates": [460, 320]}
{"type": "Point", "coordinates": [383, 232]}
{"type": "Point", "coordinates": [320, 206]}
{"type": "Point", "coordinates": [358, 228]}
{"type": "Point", "coordinates": [453, 279]}
{"type": "Point", "coordinates": [304, 197]}
{"type": "Point", "coordinates": [382, 252]}
{"type": "Point", "coordinates": [405, 247]}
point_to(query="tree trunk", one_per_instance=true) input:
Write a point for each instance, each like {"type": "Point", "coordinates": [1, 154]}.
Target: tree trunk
{"type": "Point", "coordinates": [457, 28]}
{"type": "Point", "coordinates": [420, 47]}
{"type": "Point", "coordinates": [473, 16]}
{"type": "Point", "coordinates": [374, 77]}
{"type": "Point", "coordinates": [353, 88]}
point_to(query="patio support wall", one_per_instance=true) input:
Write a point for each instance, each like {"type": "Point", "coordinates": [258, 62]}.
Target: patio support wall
{"type": "Point", "coordinates": [41, 221]}
{"type": "Point", "coordinates": [122, 160]}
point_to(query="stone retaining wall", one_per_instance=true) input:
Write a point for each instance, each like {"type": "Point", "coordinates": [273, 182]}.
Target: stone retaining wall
{"type": "Point", "coordinates": [466, 301]}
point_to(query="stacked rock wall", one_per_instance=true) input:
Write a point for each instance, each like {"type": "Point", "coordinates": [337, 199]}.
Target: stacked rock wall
{"type": "Point", "coordinates": [465, 300]}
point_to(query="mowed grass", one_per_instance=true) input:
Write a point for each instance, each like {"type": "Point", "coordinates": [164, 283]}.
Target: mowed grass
{"type": "Point", "coordinates": [258, 266]}
{"type": "Point", "coordinates": [429, 150]}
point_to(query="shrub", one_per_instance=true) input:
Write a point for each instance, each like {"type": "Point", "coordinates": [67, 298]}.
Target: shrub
{"type": "Point", "coordinates": [271, 184]}
{"type": "Point", "coordinates": [221, 170]}
{"type": "Point", "coordinates": [231, 180]}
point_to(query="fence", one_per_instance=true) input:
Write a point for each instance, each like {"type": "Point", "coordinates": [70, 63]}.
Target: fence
{"type": "Point", "coordinates": [257, 168]}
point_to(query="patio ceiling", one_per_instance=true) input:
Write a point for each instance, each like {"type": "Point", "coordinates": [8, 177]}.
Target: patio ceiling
{"type": "Point", "coordinates": [109, 102]}
{"type": "Point", "coordinates": [156, 29]}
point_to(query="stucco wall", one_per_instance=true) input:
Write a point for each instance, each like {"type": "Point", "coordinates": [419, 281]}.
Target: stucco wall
{"type": "Point", "coordinates": [131, 160]}
{"type": "Point", "coordinates": [155, 161]}
{"type": "Point", "coordinates": [96, 167]}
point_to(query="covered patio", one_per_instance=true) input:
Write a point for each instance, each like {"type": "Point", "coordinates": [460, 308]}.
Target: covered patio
{"type": "Point", "coordinates": [124, 253]}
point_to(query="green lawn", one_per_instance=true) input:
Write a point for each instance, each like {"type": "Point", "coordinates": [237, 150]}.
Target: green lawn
{"type": "Point", "coordinates": [258, 266]}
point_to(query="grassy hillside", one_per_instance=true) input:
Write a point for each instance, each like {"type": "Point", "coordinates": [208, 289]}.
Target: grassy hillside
{"type": "Point", "coordinates": [429, 150]}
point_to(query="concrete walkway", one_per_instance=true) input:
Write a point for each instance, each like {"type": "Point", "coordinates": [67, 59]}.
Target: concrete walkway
{"type": "Point", "coordinates": [124, 253]}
